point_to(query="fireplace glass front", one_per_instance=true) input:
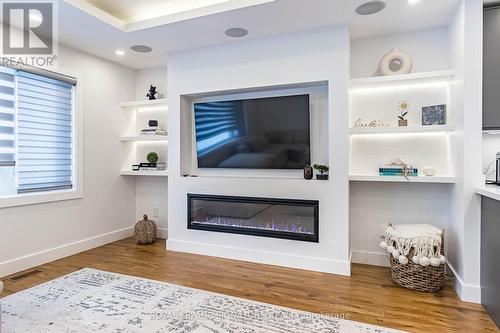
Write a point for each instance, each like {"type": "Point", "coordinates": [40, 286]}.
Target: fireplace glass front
{"type": "Point", "coordinates": [279, 218]}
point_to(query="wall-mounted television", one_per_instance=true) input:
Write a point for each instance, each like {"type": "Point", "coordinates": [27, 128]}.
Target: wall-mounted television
{"type": "Point", "coordinates": [259, 133]}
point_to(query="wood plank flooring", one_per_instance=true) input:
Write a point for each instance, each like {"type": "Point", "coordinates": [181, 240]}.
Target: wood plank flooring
{"type": "Point", "coordinates": [367, 296]}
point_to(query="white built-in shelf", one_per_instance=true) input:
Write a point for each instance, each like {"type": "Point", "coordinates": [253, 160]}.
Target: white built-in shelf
{"type": "Point", "coordinates": [402, 129]}
{"type": "Point", "coordinates": [153, 173]}
{"type": "Point", "coordinates": [163, 138]}
{"type": "Point", "coordinates": [397, 179]}
{"type": "Point", "coordinates": [146, 103]}
{"type": "Point", "coordinates": [427, 77]}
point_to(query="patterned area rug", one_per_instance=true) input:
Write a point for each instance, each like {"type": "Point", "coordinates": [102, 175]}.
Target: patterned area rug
{"type": "Point", "coordinates": [96, 301]}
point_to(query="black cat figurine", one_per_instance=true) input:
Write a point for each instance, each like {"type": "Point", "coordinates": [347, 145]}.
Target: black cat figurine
{"type": "Point", "coordinates": [152, 92]}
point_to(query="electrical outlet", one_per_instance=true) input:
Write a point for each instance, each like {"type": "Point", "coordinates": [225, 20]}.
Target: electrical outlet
{"type": "Point", "coordinates": [156, 212]}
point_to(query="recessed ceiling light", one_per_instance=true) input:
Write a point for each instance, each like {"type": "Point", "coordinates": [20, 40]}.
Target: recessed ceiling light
{"type": "Point", "coordinates": [412, 2]}
{"type": "Point", "coordinates": [141, 48]}
{"type": "Point", "coordinates": [370, 8]}
{"type": "Point", "coordinates": [236, 32]}
{"type": "Point", "coordinates": [119, 52]}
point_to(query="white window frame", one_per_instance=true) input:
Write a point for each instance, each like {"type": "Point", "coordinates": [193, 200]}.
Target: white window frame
{"type": "Point", "coordinates": [77, 191]}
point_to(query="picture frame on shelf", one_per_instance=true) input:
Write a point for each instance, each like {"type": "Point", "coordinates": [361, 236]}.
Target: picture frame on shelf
{"type": "Point", "coordinates": [434, 115]}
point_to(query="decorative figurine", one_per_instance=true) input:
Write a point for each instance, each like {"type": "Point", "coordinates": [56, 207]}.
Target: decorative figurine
{"type": "Point", "coordinates": [152, 92]}
{"type": "Point", "coordinates": [403, 107]}
{"type": "Point", "coordinates": [308, 172]}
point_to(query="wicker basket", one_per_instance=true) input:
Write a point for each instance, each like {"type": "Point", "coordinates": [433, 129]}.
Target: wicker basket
{"type": "Point", "coordinates": [417, 277]}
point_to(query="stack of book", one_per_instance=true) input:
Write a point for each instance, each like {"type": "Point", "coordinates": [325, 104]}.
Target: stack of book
{"type": "Point", "coordinates": [153, 131]}
{"type": "Point", "coordinates": [160, 166]}
{"type": "Point", "coordinates": [391, 170]}
{"type": "Point", "coordinates": [147, 166]}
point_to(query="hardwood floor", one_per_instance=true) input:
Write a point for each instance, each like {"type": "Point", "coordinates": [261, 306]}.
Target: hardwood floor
{"type": "Point", "coordinates": [367, 296]}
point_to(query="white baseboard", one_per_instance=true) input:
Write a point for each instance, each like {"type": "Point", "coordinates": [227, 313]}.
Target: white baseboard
{"type": "Point", "coordinates": [262, 257]}
{"type": "Point", "coordinates": [43, 257]}
{"type": "Point", "coordinates": [370, 258]}
{"type": "Point", "coordinates": [466, 292]}
{"type": "Point", "coordinates": [162, 233]}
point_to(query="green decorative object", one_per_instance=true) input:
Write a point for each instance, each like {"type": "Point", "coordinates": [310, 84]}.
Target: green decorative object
{"type": "Point", "coordinates": [323, 171]}
{"type": "Point", "coordinates": [152, 157]}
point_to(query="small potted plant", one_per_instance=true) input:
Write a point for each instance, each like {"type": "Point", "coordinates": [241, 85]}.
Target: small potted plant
{"type": "Point", "coordinates": [152, 157]}
{"type": "Point", "coordinates": [323, 171]}
{"type": "Point", "coordinates": [403, 112]}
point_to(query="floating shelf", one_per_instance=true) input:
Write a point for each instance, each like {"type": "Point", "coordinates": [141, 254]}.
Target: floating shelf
{"type": "Point", "coordinates": [163, 173]}
{"type": "Point", "coordinates": [137, 104]}
{"type": "Point", "coordinates": [389, 130]}
{"type": "Point", "coordinates": [397, 179]}
{"type": "Point", "coordinates": [412, 78]}
{"type": "Point", "coordinates": [144, 138]}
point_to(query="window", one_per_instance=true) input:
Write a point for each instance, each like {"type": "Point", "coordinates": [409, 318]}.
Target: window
{"type": "Point", "coordinates": [36, 132]}
{"type": "Point", "coordinates": [218, 122]}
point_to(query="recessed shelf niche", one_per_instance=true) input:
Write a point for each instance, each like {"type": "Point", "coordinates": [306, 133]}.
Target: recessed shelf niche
{"type": "Point", "coordinates": [376, 99]}
{"type": "Point", "coordinates": [136, 147]}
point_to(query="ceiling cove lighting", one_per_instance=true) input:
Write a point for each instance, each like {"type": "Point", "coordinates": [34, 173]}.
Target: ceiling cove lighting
{"type": "Point", "coordinates": [391, 136]}
{"type": "Point", "coordinates": [390, 88]}
{"type": "Point", "coordinates": [236, 32]}
{"type": "Point", "coordinates": [370, 8]}
{"type": "Point", "coordinates": [120, 52]}
{"type": "Point", "coordinates": [152, 109]}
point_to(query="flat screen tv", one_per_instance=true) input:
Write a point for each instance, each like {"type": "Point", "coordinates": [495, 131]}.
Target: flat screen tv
{"type": "Point", "coordinates": [260, 133]}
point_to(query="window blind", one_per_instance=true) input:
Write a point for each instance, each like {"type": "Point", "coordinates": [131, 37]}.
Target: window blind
{"type": "Point", "coordinates": [7, 116]}
{"type": "Point", "coordinates": [215, 118]}
{"type": "Point", "coordinates": [44, 133]}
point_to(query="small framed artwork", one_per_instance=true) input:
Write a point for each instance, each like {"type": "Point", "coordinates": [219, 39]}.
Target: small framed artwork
{"type": "Point", "coordinates": [434, 115]}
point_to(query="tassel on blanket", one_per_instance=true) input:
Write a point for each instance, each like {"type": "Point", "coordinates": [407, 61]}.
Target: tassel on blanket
{"type": "Point", "coordinates": [423, 240]}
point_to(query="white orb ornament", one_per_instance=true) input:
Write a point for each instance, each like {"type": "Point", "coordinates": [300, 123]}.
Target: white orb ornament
{"type": "Point", "coordinates": [383, 245]}
{"type": "Point", "coordinates": [435, 262]}
{"type": "Point", "coordinates": [442, 259]}
{"type": "Point", "coordinates": [395, 62]}
{"type": "Point", "coordinates": [416, 260]}
{"type": "Point", "coordinates": [424, 261]}
{"type": "Point", "coordinates": [429, 171]}
{"type": "Point", "coordinates": [403, 260]}
{"type": "Point", "coordinates": [390, 249]}
{"type": "Point", "coordinates": [395, 254]}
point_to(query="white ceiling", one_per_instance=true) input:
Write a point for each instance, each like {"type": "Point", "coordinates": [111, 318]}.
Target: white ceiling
{"type": "Point", "coordinates": [133, 10]}
{"type": "Point", "coordinates": [82, 30]}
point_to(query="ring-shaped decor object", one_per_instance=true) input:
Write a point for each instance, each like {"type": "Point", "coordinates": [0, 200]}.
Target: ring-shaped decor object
{"type": "Point", "coordinates": [395, 62]}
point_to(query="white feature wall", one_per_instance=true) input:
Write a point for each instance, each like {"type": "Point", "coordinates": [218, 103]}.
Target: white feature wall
{"type": "Point", "coordinates": [31, 235]}
{"type": "Point", "coordinates": [313, 56]}
{"type": "Point", "coordinates": [152, 192]}
{"type": "Point", "coordinates": [463, 236]}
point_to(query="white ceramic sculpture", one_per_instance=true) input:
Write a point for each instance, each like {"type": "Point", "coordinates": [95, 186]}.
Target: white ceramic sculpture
{"type": "Point", "coordinates": [395, 62]}
{"type": "Point", "coordinates": [429, 171]}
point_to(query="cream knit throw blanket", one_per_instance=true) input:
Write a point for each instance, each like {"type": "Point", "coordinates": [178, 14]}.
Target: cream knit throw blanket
{"type": "Point", "coordinates": [424, 239]}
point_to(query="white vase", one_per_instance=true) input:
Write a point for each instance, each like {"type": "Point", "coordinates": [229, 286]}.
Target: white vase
{"type": "Point", "coordinates": [403, 60]}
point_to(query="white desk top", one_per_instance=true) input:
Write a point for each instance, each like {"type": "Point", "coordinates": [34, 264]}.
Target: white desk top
{"type": "Point", "coordinates": [490, 191]}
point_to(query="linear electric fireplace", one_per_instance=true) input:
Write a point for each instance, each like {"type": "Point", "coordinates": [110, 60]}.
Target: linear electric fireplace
{"type": "Point", "coordinates": [278, 218]}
